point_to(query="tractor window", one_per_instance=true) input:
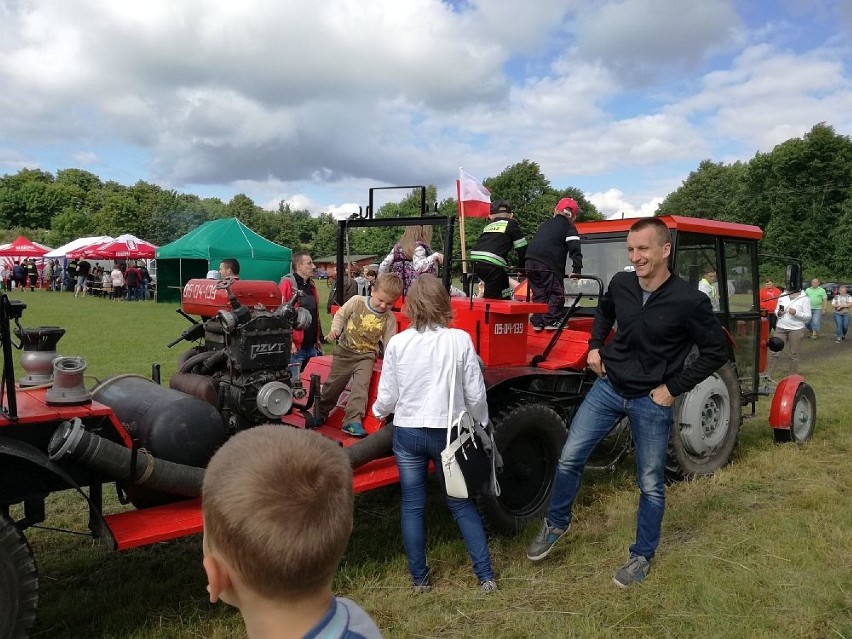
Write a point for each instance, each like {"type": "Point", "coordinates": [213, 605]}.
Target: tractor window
{"type": "Point", "coordinates": [739, 271]}
{"type": "Point", "coordinates": [603, 258]}
{"type": "Point", "coordinates": [696, 262]}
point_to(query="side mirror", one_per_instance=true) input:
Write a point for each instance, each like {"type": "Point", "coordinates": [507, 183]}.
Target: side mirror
{"type": "Point", "coordinates": [793, 277]}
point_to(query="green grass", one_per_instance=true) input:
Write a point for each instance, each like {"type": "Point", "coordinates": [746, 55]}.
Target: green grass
{"type": "Point", "coordinates": [761, 549]}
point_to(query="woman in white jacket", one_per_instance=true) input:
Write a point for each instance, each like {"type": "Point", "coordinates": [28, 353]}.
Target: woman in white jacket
{"type": "Point", "coordinates": [794, 312]}
{"type": "Point", "coordinates": [414, 386]}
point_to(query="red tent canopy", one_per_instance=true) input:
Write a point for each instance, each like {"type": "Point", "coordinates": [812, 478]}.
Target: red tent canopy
{"type": "Point", "coordinates": [22, 247]}
{"type": "Point", "coordinates": [122, 247]}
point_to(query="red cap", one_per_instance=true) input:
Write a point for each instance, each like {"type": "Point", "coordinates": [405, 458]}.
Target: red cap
{"type": "Point", "coordinates": [567, 203]}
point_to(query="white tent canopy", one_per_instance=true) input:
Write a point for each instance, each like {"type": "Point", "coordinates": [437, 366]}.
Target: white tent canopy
{"type": "Point", "coordinates": [78, 243]}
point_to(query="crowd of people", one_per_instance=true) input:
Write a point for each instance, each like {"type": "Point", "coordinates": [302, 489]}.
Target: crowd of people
{"type": "Point", "coordinates": [129, 280]}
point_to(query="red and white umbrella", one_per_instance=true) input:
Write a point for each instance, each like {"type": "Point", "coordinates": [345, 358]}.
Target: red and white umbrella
{"type": "Point", "coordinates": [128, 247]}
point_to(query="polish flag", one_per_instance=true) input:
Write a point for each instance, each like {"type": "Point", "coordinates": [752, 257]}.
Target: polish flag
{"type": "Point", "coordinates": [474, 199]}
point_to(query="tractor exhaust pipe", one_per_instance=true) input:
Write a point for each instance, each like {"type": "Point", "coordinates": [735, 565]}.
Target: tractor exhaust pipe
{"type": "Point", "coordinates": [74, 442]}
{"type": "Point", "coordinates": [379, 444]}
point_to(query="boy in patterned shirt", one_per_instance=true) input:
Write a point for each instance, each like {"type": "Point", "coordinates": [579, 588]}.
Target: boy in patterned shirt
{"type": "Point", "coordinates": [360, 325]}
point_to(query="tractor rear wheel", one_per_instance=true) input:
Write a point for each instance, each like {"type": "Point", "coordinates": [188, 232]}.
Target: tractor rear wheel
{"type": "Point", "coordinates": [803, 418]}
{"type": "Point", "coordinates": [529, 438]}
{"type": "Point", "coordinates": [18, 582]}
{"type": "Point", "coordinates": [705, 426]}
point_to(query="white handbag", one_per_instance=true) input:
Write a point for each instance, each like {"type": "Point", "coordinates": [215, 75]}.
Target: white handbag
{"type": "Point", "coordinates": [465, 464]}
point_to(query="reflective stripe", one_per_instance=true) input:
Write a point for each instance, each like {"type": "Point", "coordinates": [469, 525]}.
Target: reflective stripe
{"type": "Point", "coordinates": [519, 243]}
{"type": "Point", "coordinates": [485, 256]}
{"type": "Point", "coordinates": [572, 237]}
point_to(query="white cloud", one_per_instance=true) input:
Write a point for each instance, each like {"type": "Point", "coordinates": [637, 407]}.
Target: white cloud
{"type": "Point", "coordinates": [611, 203]}
{"type": "Point", "coordinates": [314, 103]}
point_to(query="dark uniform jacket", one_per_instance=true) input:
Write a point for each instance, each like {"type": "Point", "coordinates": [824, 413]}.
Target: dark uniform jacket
{"type": "Point", "coordinates": [497, 239]}
{"type": "Point", "coordinates": [554, 241]}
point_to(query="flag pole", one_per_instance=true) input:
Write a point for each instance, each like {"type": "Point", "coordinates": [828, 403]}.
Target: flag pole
{"type": "Point", "coordinates": [461, 225]}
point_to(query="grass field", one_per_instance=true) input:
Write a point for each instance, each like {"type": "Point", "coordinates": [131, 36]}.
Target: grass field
{"type": "Point", "coordinates": [761, 549]}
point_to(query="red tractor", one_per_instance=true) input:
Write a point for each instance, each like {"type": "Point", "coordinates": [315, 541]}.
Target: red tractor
{"type": "Point", "coordinates": [153, 442]}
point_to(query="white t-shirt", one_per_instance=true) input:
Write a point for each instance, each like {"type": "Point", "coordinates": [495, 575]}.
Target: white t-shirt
{"type": "Point", "coordinates": [802, 307]}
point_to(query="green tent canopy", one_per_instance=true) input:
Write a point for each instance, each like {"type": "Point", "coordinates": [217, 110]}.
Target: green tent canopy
{"type": "Point", "coordinates": [201, 250]}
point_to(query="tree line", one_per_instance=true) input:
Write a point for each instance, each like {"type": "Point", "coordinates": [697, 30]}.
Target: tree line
{"type": "Point", "coordinates": [800, 194]}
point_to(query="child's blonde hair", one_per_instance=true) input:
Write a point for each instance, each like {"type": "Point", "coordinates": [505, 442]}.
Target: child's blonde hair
{"type": "Point", "coordinates": [390, 283]}
{"type": "Point", "coordinates": [411, 236]}
{"type": "Point", "coordinates": [277, 505]}
{"type": "Point", "coordinates": [428, 303]}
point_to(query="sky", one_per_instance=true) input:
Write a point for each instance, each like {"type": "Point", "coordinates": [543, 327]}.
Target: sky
{"type": "Point", "coordinates": [313, 103]}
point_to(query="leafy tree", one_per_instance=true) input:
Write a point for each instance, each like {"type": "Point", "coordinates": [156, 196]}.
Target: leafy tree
{"type": "Point", "coordinates": [712, 191]}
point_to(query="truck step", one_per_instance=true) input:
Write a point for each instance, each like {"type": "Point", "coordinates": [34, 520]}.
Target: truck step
{"type": "Point", "coordinates": [136, 528]}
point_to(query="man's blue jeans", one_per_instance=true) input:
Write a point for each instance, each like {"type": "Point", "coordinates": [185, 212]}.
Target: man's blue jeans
{"type": "Point", "coordinates": [649, 424]}
{"type": "Point", "coordinates": [304, 354]}
{"type": "Point", "coordinates": [414, 448]}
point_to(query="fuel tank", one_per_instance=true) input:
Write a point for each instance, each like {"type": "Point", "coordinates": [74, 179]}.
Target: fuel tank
{"type": "Point", "coordinates": [171, 425]}
{"type": "Point", "coordinates": [206, 297]}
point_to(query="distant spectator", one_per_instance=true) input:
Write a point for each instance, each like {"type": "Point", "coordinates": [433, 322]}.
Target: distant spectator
{"type": "Point", "coordinates": [819, 303]}
{"type": "Point", "coordinates": [213, 275]}
{"type": "Point", "coordinates": [83, 270]}
{"type": "Point", "coordinates": [769, 295]}
{"type": "Point", "coordinates": [794, 313]}
{"type": "Point", "coordinates": [278, 509]}
{"type": "Point", "coordinates": [19, 275]}
{"type": "Point", "coordinates": [709, 285]}
{"type": "Point", "coordinates": [144, 281]}
{"type": "Point", "coordinates": [370, 273]}
{"type": "Point", "coordinates": [132, 281]}
{"type": "Point", "coordinates": [47, 275]}
{"type": "Point", "coordinates": [841, 302]}
{"type": "Point", "coordinates": [229, 267]}
{"type": "Point", "coordinates": [117, 280]}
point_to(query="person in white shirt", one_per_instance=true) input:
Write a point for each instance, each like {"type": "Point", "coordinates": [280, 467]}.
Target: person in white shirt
{"type": "Point", "coordinates": [794, 313]}
{"type": "Point", "coordinates": [841, 302]}
{"type": "Point", "coordinates": [414, 386]}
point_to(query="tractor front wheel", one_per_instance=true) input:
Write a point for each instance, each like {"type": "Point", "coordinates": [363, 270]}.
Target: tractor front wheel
{"type": "Point", "coordinates": [529, 438]}
{"type": "Point", "coordinates": [705, 426]}
{"type": "Point", "coordinates": [18, 582]}
{"type": "Point", "coordinates": [803, 418]}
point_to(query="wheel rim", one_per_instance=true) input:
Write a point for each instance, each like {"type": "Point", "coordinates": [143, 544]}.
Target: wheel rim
{"type": "Point", "coordinates": [705, 417]}
{"type": "Point", "coordinates": [803, 419]}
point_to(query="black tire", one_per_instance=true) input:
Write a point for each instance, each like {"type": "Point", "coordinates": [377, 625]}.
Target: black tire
{"type": "Point", "coordinates": [529, 438]}
{"type": "Point", "coordinates": [705, 426]}
{"type": "Point", "coordinates": [804, 417]}
{"type": "Point", "coordinates": [18, 582]}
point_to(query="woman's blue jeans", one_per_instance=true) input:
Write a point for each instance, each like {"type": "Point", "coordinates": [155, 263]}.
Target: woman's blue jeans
{"type": "Point", "coordinates": [650, 423]}
{"type": "Point", "coordinates": [841, 325]}
{"type": "Point", "coordinates": [414, 448]}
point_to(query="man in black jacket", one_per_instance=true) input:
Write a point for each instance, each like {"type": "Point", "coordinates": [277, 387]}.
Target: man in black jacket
{"type": "Point", "coordinates": [641, 371]}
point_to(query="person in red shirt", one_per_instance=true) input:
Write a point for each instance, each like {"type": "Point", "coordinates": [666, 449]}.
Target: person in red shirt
{"type": "Point", "coordinates": [769, 295]}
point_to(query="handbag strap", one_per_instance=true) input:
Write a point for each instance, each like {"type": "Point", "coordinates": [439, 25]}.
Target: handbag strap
{"type": "Point", "coordinates": [452, 389]}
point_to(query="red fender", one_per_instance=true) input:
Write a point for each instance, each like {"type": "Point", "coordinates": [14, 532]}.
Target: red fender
{"type": "Point", "coordinates": [781, 411]}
